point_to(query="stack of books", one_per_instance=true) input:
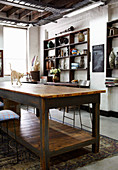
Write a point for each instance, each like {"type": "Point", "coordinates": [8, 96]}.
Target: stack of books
{"type": "Point", "coordinates": [111, 82]}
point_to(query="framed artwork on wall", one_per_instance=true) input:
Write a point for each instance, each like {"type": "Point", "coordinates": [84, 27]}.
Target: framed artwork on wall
{"type": "Point", "coordinates": [1, 63]}
{"type": "Point", "coordinates": [98, 58]}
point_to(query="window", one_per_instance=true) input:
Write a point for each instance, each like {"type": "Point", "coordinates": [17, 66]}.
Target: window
{"type": "Point", "coordinates": [14, 50]}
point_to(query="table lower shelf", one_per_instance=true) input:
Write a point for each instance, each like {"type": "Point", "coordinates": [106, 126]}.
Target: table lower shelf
{"type": "Point", "coordinates": [62, 138]}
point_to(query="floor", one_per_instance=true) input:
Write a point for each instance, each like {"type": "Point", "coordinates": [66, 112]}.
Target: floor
{"type": "Point", "coordinates": [108, 127]}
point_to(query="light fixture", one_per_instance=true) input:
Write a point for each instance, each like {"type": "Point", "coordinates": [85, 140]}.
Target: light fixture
{"type": "Point", "coordinates": [40, 10]}
{"type": "Point", "coordinates": [22, 2]}
{"type": "Point", "coordinates": [16, 1]}
{"type": "Point", "coordinates": [8, 22]}
{"type": "Point", "coordinates": [84, 9]}
{"type": "Point", "coordinates": [9, 0]}
{"type": "Point", "coordinates": [33, 5]}
{"type": "Point", "coordinates": [12, 22]}
{"type": "Point", "coordinates": [28, 4]}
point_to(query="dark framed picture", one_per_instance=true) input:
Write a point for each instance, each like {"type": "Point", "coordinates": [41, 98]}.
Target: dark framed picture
{"type": "Point", "coordinates": [98, 58]}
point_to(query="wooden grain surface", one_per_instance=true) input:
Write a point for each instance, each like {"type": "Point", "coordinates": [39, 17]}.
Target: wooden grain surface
{"type": "Point", "coordinates": [46, 91]}
{"type": "Point", "coordinates": [62, 138]}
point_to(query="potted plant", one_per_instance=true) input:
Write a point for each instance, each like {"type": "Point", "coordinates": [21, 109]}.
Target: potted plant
{"type": "Point", "coordinates": [56, 74]}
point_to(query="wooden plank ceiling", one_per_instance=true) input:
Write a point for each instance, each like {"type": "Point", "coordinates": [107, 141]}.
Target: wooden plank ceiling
{"type": "Point", "coordinates": [37, 12]}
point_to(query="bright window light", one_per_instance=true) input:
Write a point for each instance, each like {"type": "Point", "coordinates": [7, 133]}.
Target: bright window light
{"type": "Point", "coordinates": [14, 50]}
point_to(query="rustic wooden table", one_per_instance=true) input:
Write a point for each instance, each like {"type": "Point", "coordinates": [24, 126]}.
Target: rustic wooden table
{"type": "Point", "coordinates": [45, 97]}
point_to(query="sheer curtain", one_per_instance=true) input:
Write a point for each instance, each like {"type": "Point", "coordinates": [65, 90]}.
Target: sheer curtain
{"type": "Point", "coordinates": [14, 50]}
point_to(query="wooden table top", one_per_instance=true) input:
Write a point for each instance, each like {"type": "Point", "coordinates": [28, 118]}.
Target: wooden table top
{"type": "Point", "coordinates": [46, 91]}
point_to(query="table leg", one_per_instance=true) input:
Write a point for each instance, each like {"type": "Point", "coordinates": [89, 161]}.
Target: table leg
{"type": "Point", "coordinates": [95, 127]}
{"type": "Point", "coordinates": [44, 136]}
{"type": "Point", "coordinates": [37, 112]}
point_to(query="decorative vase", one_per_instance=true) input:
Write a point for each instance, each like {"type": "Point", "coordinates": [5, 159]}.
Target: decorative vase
{"type": "Point", "coordinates": [116, 61]}
{"type": "Point", "coordinates": [82, 63]}
{"type": "Point", "coordinates": [56, 78]}
{"type": "Point", "coordinates": [112, 60]}
{"type": "Point", "coordinates": [81, 37]}
{"type": "Point", "coordinates": [74, 51]}
{"type": "Point", "coordinates": [50, 44]}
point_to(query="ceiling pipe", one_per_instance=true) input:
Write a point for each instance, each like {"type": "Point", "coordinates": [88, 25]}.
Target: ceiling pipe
{"type": "Point", "coordinates": [84, 9]}
{"type": "Point", "coordinates": [38, 6]}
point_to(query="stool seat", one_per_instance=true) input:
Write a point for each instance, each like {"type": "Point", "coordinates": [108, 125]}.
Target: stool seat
{"type": "Point", "coordinates": [8, 115]}
{"type": "Point", "coordinates": [1, 104]}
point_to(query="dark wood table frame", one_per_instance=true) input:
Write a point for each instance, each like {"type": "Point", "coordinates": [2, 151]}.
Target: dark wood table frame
{"type": "Point", "coordinates": [47, 102]}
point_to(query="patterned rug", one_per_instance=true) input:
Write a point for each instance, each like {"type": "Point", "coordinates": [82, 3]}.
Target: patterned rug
{"type": "Point", "coordinates": [68, 161]}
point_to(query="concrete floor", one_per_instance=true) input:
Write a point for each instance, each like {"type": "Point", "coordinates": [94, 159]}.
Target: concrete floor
{"type": "Point", "coordinates": [108, 127]}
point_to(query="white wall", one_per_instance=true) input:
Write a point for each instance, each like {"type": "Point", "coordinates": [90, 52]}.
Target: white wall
{"type": "Point", "coordinates": [79, 22]}
{"type": "Point", "coordinates": [33, 44]}
{"type": "Point", "coordinates": [96, 20]}
{"type": "Point", "coordinates": [2, 48]}
{"type": "Point", "coordinates": [1, 37]}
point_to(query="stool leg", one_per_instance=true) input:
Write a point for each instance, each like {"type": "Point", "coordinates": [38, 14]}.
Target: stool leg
{"type": "Point", "coordinates": [50, 114]}
{"type": "Point", "coordinates": [90, 113]}
{"type": "Point", "coordinates": [74, 117]}
{"type": "Point", "coordinates": [15, 139]}
{"type": "Point", "coordinates": [80, 116]}
{"type": "Point", "coordinates": [63, 114]}
{"type": "Point", "coordinates": [1, 131]}
{"type": "Point", "coordinates": [7, 136]}
{"type": "Point", "coordinates": [27, 107]}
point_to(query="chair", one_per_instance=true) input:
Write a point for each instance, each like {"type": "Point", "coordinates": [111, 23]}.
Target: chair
{"type": "Point", "coordinates": [1, 104]}
{"type": "Point", "coordinates": [5, 117]}
{"type": "Point", "coordinates": [82, 84]}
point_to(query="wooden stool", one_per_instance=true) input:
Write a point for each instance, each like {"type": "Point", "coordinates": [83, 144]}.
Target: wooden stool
{"type": "Point", "coordinates": [1, 105]}
{"type": "Point", "coordinates": [11, 105]}
{"type": "Point", "coordinates": [80, 117]}
{"type": "Point", "coordinates": [6, 116]}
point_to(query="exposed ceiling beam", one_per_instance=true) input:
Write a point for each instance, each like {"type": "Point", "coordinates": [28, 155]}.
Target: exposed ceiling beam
{"type": "Point", "coordinates": [82, 3]}
{"type": "Point", "coordinates": [24, 13]}
{"type": "Point", "coordinates": [15, 20]}
{"type": "Point", "coordinates": [12, 11]}
{"type": "Point", "coordinates": [64, 2]}
{"type": "Point", "coordinates": [50, 18]}
{"type": "Point", "coordinates": [39, 15]}
{"type": "Point", "coordinates": [46, 1]}
{"type": "Point", "coordinates": [38, 2]}
{"type": "Point", "coordinates": [2, 7]}
{"type": "Point", "coordinates": [20, 6]}
{"type": "Point", "coordinates": [110, 1]}
{"type": "Point", "coordinates": [70, 4]}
